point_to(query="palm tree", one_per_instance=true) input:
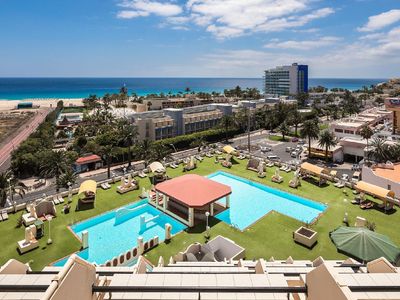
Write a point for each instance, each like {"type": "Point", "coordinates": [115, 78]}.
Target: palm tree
{"type": "Point", "coordinates": [366, 133]}
{"type": "Point", "coordinates": [381, 150]}
{"type": "Point", "coordinates": [327, 140]}
{"type": "Point", "coordinates": [160, 152]}
{"type": "Point", "coordinates": [295, 119]}
{"type": "Point", "coordinates": [54, 165]}
{"type": "Point", "coordinates": [144, 150]}
{"type": "Point", "coordinates": [128, 134]}
{"type": "Point", "coordinates": [310, 131]}
{"type": "Point", "coordinates": [9, 185]}
{"type": "Point", "coordinates": [226, 122]}
{"type": "Point", "coordinates": [107, 142]}
{"type": "Point", "coordinates": [284, 130]}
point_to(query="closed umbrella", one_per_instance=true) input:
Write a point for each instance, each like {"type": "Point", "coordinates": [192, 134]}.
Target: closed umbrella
{"type": "Point", "coordinates": [364, 244]}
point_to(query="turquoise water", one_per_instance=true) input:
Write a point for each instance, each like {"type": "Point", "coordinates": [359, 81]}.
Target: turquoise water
{"type": "Point", "coordinates": [31, 88]}
{"type": "Point", "coordinates": [250, 201]}
{"type": "Point", "coordinates": [110, 236]}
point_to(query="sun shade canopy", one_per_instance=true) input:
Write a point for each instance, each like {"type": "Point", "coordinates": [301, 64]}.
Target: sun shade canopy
{"type": "Point", "coordinates": [364, 244]}
{"type": "Point", "coordinates": [193, 190]}
{"type": "Point", "coordinates": [374, 190]}
{"type": "Point", "coordinates": [156, 167]}
{"type": "Point", "coordinates": [229, 149]}
{"type": "Point", "coordinates": [313, 169]}
{"type": "Point", "coordinates": [88, 186]}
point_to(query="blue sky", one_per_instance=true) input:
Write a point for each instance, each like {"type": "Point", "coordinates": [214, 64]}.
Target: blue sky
{"type": "Point", "coordinates": [198, 38]}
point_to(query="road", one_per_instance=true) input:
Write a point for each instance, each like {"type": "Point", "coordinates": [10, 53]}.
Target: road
{"type": "Point", "coordinates": [22, 135]}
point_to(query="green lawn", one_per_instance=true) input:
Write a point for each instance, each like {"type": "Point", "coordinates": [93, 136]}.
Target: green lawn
{"type": "Point", "coordinates": [278, 138]}
{"type": "Point", "coordinates": [270, 236]}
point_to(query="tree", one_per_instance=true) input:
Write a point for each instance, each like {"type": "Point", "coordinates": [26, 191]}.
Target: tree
{"type": "Point", "coordinates": [381, 150]}
{"type": "Point", "coordinates": [91, 102]}
{"type": "Point", "coordinates": [302, 98]}
{"type": "Point", "coordinates": [226, 122]}
{"type": "Point", "coordinates": [160, 151]}
{"type": "Point", "coordinates": [144, 150]}
{"type": "Point", "coordinates": [295, 119]}
{"type": "Point", "coordinates": [284, 130]}
{"type": "Point", "coordinates": [310, 131]}
{"type": "Point", "coordinates": [327, 140]}
{"type": "Point", "coordinates": [69, 176]}
{"type": "Point", "coordinates": [127, 136]}
{"type": "Point", "coordinates": [54, 165]}
{"type": "Point", "coordinates": [9, 185]}
{"type": "Point", "coordinates": [366, 133]}
{"type": "Point", "coordinates": [107, 142]}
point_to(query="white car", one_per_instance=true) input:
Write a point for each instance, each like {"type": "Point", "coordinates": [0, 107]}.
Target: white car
{"type": "Point", "coordinates": [265, 149]}
{"type": "Point", "coordinates": [289, 149]}
{"type": "Point", "coordinates": [345, 177]}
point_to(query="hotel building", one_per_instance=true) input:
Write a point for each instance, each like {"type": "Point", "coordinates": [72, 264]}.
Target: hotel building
{"type": "Point", "coordinates": [286, 80]}
{"type": "Point", "coordinates": [170, 122]}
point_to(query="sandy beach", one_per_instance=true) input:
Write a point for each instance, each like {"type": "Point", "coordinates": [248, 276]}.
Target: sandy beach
{"type": "Point", "coordinates": [43, 103]}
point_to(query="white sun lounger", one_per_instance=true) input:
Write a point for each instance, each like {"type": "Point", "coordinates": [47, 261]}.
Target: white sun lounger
{"type": "Point", "coordinates": [142, 174]}
{"type": "Point", "coordinates": [55, 200]}
{"type": "Point", "coordinates": [60, 198]}
{"type": "Point", "coordinates": [4, 215]}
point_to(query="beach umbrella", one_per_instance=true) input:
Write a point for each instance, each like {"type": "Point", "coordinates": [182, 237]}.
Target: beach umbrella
{"type": "Point", "coordinates": [364, 244]}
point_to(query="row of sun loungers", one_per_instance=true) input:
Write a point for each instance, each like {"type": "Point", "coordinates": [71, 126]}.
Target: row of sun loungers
{"type": "Point", "coordinates": [339, 184]}
{"type": "Point", "coordinates": [105, 186]}
{"type": "Point", "coordinates": [285, 168]}
{"type": "Point", "coordinates": [57, 199]}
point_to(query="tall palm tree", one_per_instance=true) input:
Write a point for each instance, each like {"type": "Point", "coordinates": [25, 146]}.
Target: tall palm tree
{"type": "Point", "coordinates": [284, 130]}
{"type": "Point", "coordinates": [127, 136]}
{"type": "Point", "coordinates": [295, 119]}
{"type": "Point", "coordinates": [108, 142]}
{"type": "Point", "coordinates": [327, 140]}
{"type": "Point", "coordinates": [144, 150]}
{"type": "Point", "coordinates": [160, 151]}
{"type": "Point", "coordinates": [226, 122]}
{"type": "Point", "coordinates": [9, 185]}
{"type": "Point", "coordinates": [54, 165]}
{"type": "Point", "coordinates": [310, 131]}
{"type": "Point", "coordinates": [366, 133]}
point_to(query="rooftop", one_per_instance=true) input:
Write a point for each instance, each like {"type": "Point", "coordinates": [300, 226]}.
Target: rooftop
{"type": "Point", "coordinates": [193, 190]}
{"type": "Point", "coordinates": [391, 174]}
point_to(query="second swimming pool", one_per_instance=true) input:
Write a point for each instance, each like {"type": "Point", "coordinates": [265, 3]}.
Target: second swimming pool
{"type": "Point", "coordinates": [250, 201]}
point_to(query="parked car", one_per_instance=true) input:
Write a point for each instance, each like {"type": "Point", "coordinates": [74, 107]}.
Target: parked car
{"type": "Point", "coordinates": [294, 154]}
{"type": "Point", "coordinates": [295, 140]}
{"type": "Point", "coordinates": [301, 142]}
{"type": "Point", "coordinates": [345, 177]}
{"type": "Point", "coordinates": [265, 149]}
{"type": "Point", "coordinates": [289, 149]}
{"type": "Point", "coordinates": [356, 177]}
{"type": "Point", "coordinates": [273, 157]}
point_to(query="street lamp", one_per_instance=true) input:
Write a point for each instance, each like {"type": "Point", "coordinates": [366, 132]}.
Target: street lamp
{"type": "Point", "coordinates": [9, 187]}
{"type": "Point", "coordinates": [207, 215]}
{"type": "Point", "coordinates": [69, 192]}
{"type": "Point", "coordinates": [49, 241]}
{"type": "Point", "coordinates": [173, 146]}
{"type": "Point", "coordinates": [44, 196]}
{"type": "Point", "coordinates": [124, 171]}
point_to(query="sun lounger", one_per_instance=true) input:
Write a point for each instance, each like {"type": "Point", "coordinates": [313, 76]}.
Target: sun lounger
{"type": "Point", "coordinates": [339, 184]}
{"type": "Point", "coordinates": [108, 186]}
{"type": "Point", "coordinates": [287, 169]}
{"type": "Point", "coordinates": [209, 155]}
{"type": "Point", "coordinates": [55, 200]}
{"type": "Point", "coordinates": [1, 218]}
{"type": "Point", "coordinates": [198, 157]}
{"type": "Point", "coordinates": [4, 215]}
{"type": "Point", "coordinates": [282, 168]}
{"type": "Point", "coordinates": [60, 198]}
{"type": "Point", "coordinates": [103, 186]}
{"type": "Point", "coordinates": [142, 174]}
{"type": "Point", "coordinates": [241, 157]}
{"type": "Point", "coordinates": [367, 205]}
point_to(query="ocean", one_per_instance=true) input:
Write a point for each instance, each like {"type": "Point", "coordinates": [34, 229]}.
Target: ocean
{"type": "Point", "coordinates": [39, 88]}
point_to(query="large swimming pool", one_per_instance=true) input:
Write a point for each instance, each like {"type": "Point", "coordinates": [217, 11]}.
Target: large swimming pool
{"type": "Point", "coordinates": [117, 231]}
{"type": "Point", "coordinates": [250, 201]}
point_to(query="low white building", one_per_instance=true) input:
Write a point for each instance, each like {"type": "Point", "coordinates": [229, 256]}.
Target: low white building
{"type": "Point", "coordinates": [384, 175]}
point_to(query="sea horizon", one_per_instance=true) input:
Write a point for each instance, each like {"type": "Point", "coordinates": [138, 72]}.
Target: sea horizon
{"type": "Point", "coordinates": [31, 88]}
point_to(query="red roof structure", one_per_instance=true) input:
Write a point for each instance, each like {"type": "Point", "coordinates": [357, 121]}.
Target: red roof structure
{"type": "Point", "coordinates": [193, 190]}
{"type": "Point", "coordinates": [88, 159]}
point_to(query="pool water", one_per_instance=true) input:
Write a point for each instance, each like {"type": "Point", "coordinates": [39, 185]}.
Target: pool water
{"type": "Point", "coordinates": [117, 231]}
{"type": "Point", "coordinates": [250, 201]}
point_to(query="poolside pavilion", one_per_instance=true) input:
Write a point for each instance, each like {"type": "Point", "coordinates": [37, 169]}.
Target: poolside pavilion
{"type": "Point", "coordinates": [189, 197]}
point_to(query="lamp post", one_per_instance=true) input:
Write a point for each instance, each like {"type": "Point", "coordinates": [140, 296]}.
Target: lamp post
{"type": "Point", "coordinates": [44, 196]}
{"type": "Point", "coordinates": [49, 241]}
{"type": "Point", "coordinates": [207, 215]}
{"type": "Point", "coordinates": [124, 171]}
{"type": "Point", "coordinates": [9, 188]}
{"type": "Point", "coordinates": [69, 192]}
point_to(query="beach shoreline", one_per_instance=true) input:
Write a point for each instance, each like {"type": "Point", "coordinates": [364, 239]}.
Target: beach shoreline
{"type": "Point", "coordinates": [41, 102]}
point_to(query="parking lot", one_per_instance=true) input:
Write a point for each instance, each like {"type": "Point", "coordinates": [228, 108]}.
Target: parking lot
{"type": "Point", "coordinates": [279, 149]}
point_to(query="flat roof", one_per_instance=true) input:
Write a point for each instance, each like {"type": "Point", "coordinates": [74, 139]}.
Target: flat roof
{"type": "Point", "coordinates": [391, 174]}
{"type": "Point", "coordinates": [193, 190]}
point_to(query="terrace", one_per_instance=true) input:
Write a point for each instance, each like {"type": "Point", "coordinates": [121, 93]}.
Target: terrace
{"type": "Point", "coordinates": [270, 236]}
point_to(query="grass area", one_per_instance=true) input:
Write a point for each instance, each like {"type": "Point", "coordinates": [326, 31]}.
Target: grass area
{"type": "Point", "coordinates": [278, 138]}
{"type": "Point", "coordinates": [323, 126]}
{"type": "Point", "coordinates": [270, 236]}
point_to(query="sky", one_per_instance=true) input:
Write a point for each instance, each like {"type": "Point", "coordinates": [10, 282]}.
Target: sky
{"type": "Point", "coordinates": [198, 38]}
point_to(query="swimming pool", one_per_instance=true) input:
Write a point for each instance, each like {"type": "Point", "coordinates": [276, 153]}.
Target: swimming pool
{"type": "Point", "coordinates": [117, 231]}
{"type": "Point", "coordinates": [250, 201]}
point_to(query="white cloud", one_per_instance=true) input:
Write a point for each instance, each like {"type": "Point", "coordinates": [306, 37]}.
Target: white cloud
{"type": "Point", "coordinates": [231, 18]}
{"type": "Point", "coordinates": [304, 45]}
{"type": "Point", "coordinates": [144, 8]}
{"type": "Point", "coordinates": [380, 21]}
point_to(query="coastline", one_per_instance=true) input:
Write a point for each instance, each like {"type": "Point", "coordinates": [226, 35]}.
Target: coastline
{"type": "Point", "coordinates": [6, 105]}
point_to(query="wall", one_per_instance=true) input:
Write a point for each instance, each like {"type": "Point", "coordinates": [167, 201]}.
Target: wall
{"type": "Point", "coordinates": [369, 176]}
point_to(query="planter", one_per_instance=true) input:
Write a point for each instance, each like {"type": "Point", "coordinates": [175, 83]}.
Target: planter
{"type": "Point", "coordinates": [305, 236]}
